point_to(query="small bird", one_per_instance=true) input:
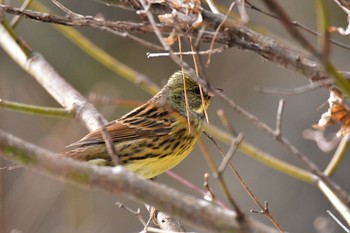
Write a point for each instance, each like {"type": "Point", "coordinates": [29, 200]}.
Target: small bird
{"type": "Point", "coordinates": [154, 137]}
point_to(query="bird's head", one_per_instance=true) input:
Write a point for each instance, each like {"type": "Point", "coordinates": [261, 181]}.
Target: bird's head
{"type": "Point", "coordinates": [175, 92]}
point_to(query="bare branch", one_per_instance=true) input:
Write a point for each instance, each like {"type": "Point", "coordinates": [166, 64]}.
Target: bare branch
{"type": "Point", "coordinates": [233, 34]}
{"type": "Point", "coordinates": [36, 65]}
{"type": "Point", "coordinates": [200, 214]}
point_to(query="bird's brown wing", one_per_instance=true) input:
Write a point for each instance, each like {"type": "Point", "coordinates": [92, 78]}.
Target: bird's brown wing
{"type": "Point", "coordinates": [133, 127]}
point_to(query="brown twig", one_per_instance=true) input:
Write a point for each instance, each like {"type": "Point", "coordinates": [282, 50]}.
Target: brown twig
{"type": "Point", "coordinates": [119, 28]}
{"type": "Point", "coordinates": [196, 67]}
{"type": "Point", "coordinates": [244, 185]}
{"type": "Point", "coordinates": [227, 158]}
{"type": "Point", "coordinates": [137, 212]}
{"type": "Point", "coordinates": [109, 143]}
{"type": "Point", "coordinates": [296, 24]}
{"type": "Point", "coordinates": [184, 87]}
{"type": "Point", "coordinates": [215, 143]}
{"type": "Point", "coordinates": [69, 13]}
{"type": "Point", "coordinates": [279, 11]}
{"type": "Point", "coordinates": [240, 215]}
{"type": "Point", "coordinates": [218, 29]}
{"type": "Point", "coordinates": [210, 196]}
{"type": "Point", "coordinates": [297, 90]}
{"type": "Point", "coordinates": [188, 184]}
{"type": "Point", "coordinates": [233, 35]}
{"type": "Point", "coordinates": [311, 166]}
{"type": "Point", "coordinates": [225, 122]}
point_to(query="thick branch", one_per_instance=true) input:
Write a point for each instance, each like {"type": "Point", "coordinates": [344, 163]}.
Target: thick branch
{"type": "Point", "coordinates": [232, 33]}
{"type": "Point", "coordinates": [202, 215]}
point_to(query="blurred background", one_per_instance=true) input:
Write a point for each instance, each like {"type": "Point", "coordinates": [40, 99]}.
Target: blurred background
{"type": "Point", "coordinates": [31, 202]}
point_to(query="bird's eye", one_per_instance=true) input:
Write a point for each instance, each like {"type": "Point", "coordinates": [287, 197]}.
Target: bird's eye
{"type": "Point", "coordinates": [197, 91]}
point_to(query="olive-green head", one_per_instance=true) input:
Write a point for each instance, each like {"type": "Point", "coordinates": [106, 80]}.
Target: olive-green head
{"type": "Point", "coordinates": [175, 95]}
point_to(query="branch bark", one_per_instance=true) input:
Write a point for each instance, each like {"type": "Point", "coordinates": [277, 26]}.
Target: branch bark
{"type": "Point", "coordinates": [232, 33]}
{"type": "Point", "coordinates": [198, 213]}
{"type": "Point", "coordinates": [48, 77]}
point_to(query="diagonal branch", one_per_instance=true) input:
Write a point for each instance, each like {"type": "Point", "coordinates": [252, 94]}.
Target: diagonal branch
{"type": "Point", "coordinates": [232, 34]}
{"type": "Point", "coordinates": [36, 65]}
{"type": "Point", "coordinates": [202, 215]}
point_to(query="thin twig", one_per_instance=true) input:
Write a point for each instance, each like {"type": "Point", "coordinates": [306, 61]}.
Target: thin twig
{"type": "Point", "coordinates": [227, 158]}
{"type": "Point", "coordinates": [185, 89]}
{"type": "Point", "coordinates": [200, 86]}
{"type": "Point", "coordinates": [215, 143]}
{"type": "Point", "coordinates": [240, 215]}
{"type": "Point", "coordinates": [218, 29]}
{"type": "Point", "coordinates": [185, 182]}
{"type": "Point", "coordinates": [190, 185]}
{"type": "Point", "coordinates": [311, 166]}
{"type": "Point", "coordinates": [338, 156]}
{"type": "Point", "coordinates": [297, 90]}
{"type": "Point", "coordinates": [109, 143]}
{"type": "Point", "coordinates": [347, 230]}
{"type": "Point", "coordinates": [296, 24]}
{"type": "Point", "coordinates": [36, 110]}
{"type": "Point", "coordinates": [209, 195]}
{"type": "Point", "coordinates": [323, 56]}
{"type": "Point", "coordinates": [323, 27]}
{"type": "Point", "coordinates": [190, 53]}
{"type": "Point", "coordinates": [279, 11]}
{"type": "Point", "coordinates": [225, 122]}
{"type": "Point", "coordinates": [66, 10]}
{"type": "Point", "coordinates": [137, 212]}
{"type": "Point", "coordinates": [16, 19]}
{"type": "Point", "coordinates": [278, 130]}
{"type": "Point", "coordinates": [265, 209]}
{"type": "Point", "coordinates": [250, 193]}
{"type": "Point", "coordinates": [118, 28]}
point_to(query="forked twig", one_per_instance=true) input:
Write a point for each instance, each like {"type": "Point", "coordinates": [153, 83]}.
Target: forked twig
{"type": "Point", "coordinates": [227, 158]}
{"type": "Point", "coordinates": [210, 196]}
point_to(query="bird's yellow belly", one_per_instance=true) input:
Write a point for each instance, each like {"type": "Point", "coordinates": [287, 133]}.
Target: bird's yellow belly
{"type": "Point", "coordinates": [154, 166]}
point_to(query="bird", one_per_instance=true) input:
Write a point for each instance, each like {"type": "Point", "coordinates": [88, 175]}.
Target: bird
{"type": "Point", "coordinates": [155, 136]}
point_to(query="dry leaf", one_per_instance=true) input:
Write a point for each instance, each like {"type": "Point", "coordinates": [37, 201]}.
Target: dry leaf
{"type": "Point", "coordinates": [337, 112]}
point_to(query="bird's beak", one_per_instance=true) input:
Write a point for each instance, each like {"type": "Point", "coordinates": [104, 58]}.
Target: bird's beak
{"type": "Point", "coordinates": [211, 94]}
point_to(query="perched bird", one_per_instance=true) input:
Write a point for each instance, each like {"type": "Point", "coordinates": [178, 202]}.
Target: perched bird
{"type": "Point", "coordinates": [154, 137]}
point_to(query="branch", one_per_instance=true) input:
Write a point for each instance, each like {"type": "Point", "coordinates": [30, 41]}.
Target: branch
{"type": "Point", "coordinates": [200, 214]}
{"type": "Point", "coordinates": [232, 34]}
{"type": "Point", "coordinates": [36, 65]}
{"type": "Point", "coordinates": [238, 35]}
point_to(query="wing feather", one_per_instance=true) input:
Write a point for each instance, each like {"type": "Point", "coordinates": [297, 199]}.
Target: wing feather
{"type": "Point", "coordinates": [137, 124]}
